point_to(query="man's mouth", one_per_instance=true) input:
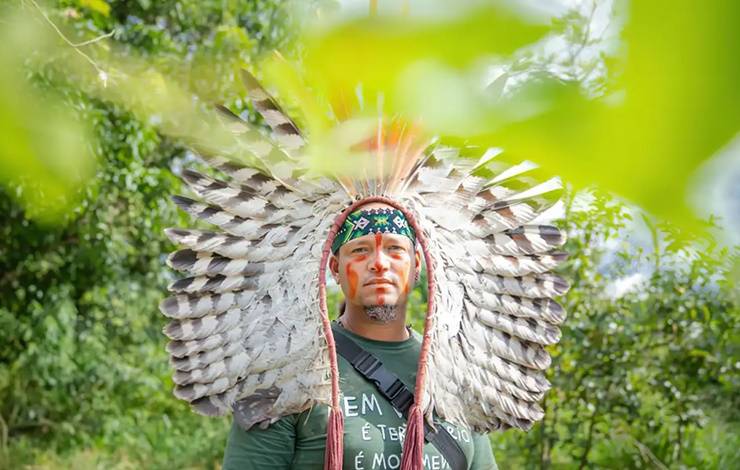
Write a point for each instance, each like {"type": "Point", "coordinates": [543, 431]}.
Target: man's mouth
{"type": "Point", "coordinates": [378, 281]}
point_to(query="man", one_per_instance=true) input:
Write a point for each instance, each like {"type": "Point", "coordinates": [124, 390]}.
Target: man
{"type": "Point", "coordinates": [376, 267]}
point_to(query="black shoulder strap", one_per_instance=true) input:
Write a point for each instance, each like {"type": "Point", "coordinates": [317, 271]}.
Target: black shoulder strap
{"type": "Point", "coordinates": [398, 395]}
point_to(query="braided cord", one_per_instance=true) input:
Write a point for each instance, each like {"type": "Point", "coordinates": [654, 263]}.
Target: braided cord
{"type": "Point", "coordinates": [413, 445]}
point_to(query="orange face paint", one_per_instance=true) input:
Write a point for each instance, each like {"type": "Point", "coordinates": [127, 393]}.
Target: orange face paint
{"type": "Point", "coordinates": [353, 279]}
{"type": "Point", "coordinates": [404, 275]}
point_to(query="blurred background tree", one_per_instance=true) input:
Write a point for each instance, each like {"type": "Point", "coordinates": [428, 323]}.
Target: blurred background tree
{"type": "Point", "coordinates": [84, 379]}
{"type": "Point", "coordinates": [646, 374]}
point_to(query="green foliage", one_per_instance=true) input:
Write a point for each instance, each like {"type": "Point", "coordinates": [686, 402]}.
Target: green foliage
{"type": "Point", "coordinates": [82, 354]}
{"type": "Point", "coordinates": [642, 378]}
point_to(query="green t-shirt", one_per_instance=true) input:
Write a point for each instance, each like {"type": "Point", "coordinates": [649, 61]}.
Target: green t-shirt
{"type": "Point", "coordinates": [373, 430]}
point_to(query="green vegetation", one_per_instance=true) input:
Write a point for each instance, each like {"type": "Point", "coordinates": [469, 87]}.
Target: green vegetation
{"type": "Point", "coordinates": [642, 378]}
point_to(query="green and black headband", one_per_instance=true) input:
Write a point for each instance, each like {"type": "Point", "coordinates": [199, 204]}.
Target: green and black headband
{"type": "Point", "coordinates": [366, 221]}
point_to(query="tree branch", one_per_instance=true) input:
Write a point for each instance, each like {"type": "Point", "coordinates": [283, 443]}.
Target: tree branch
{"type": "Point", "coordinates": [101, 73]}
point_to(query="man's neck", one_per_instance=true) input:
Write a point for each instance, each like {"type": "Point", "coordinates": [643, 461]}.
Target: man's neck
{"type": "Point", "coordinates": [355, 320]}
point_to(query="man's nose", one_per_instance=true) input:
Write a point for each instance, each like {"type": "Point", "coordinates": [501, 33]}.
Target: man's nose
{"type": "Point", "coordinates": [380, 262]}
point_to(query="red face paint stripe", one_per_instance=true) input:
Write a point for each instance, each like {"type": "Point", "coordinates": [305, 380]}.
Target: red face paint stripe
{"type": "Point", "coordinates": [378, 250]}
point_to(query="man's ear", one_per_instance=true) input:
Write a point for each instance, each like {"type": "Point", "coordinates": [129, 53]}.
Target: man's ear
{"type": "Point", "coordinates": [334, 267]}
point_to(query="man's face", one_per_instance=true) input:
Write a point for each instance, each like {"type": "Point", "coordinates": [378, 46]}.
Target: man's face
{"type": "Point", "coordinates": [376, 269]}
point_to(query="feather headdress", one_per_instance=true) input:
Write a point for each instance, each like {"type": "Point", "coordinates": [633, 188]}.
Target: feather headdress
{"type": "Point", "coordinates": [249, 327]}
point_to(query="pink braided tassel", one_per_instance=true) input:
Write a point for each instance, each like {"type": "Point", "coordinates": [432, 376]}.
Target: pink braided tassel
{"type": "Point", "coordinates": [413, 444]}
{"type": "Point", "coordinates": [334, 441]}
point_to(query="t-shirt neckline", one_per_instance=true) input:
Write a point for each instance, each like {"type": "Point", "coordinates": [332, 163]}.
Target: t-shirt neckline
{"type": "Point", "coordinates": [375, 342]}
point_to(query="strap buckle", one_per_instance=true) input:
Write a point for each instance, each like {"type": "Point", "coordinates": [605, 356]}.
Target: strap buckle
{"type": "Point", "coordinates": [390, 385]}
{"type": "Point", "coordinates": [366, 363]}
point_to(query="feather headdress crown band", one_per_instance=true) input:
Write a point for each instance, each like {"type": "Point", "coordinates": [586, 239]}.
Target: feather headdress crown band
{"type": "Point", "coordinates": [245, 337]}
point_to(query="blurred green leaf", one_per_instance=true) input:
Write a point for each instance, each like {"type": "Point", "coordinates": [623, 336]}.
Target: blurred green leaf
{"type": "Point", "coordinates": [673, 108]}
{"type": "Point", "coordinates": [43, 153]}
{"type": "Point", "coordinates": [670, 104]}
{"type": "Point", "coordinates": [100, 6]}
{"type": "Point", "coordinates": [374, 51]}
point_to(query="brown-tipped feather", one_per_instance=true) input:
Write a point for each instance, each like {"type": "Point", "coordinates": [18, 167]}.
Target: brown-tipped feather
{"type": "Point", "coordinates": [285, 131]}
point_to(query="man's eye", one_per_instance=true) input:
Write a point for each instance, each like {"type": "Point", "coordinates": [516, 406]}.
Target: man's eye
{"type": "Point", "coordinates": [358, 250]}
{"type": "Point", "coordinates": [396, 247]}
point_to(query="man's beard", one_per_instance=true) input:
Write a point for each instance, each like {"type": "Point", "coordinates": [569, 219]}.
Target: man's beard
{"type": "Point", "coordinates": [381, 313]}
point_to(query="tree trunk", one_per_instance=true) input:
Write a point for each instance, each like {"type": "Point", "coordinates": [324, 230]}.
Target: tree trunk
{"type": "Point", "coordinates": [589, 438]}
